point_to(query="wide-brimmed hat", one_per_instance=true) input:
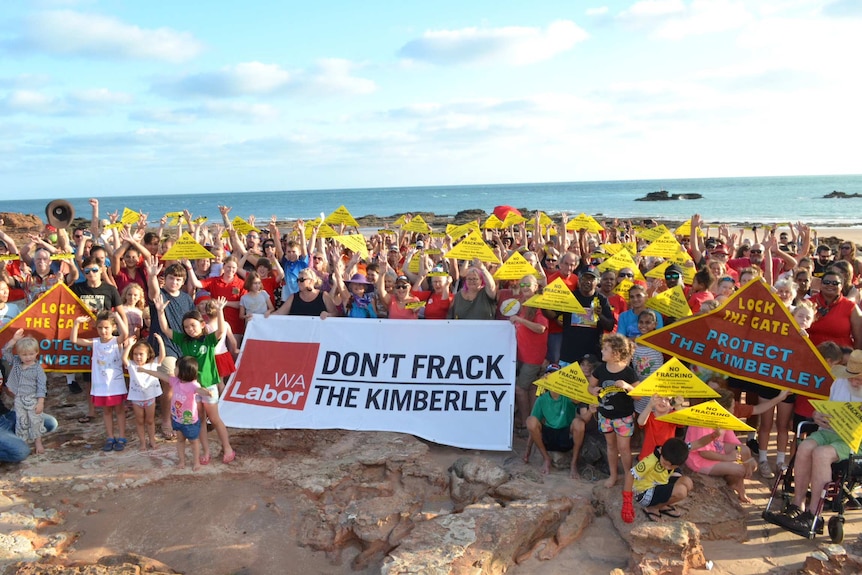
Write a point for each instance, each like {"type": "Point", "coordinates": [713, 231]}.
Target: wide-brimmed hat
{"type": "Point", "coordinates": [359, 279]}
{"type": "Point", "coordinates": [853, 367]}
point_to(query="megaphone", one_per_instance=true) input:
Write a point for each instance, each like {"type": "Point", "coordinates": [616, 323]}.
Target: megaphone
{"type": "Point", "coordinates": [60, 213]}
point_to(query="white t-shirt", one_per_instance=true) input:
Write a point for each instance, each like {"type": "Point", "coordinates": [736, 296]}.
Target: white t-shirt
{"type": "Point", "coordinates": [143, 386]}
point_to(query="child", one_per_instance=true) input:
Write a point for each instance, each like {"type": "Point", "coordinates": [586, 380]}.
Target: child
{"type": "Point", "coordinates": [108, 389]}
{"type": "Point", "coordinates": [725, 456]}
{"type": "Point", "coordinates": [655, 483]}
{"type": "Point", "coordinates": [143, 388]}
{"type": "Point", "coordinates": [134, 305]}
{"type": "Point", "coordinates": [28, 381]}
{"type": "Point", "coordinates": [226, 348]}
{"type": "Point", "coordinates": [195, 342]}
{"type": "Point", "coordinates": [610, 382]}
{"type": "Point", "coordinates": [185, 416]}
{"type": "Point", "coordinates": [655, 432]}
{"type": "Point", "coordinates": [256, 300]}
{"type": "Point", "coordinates": [645, 360]}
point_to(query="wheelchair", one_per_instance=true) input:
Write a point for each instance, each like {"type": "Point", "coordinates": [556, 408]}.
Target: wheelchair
{"type": "Point", "coordinates": [837, 494]}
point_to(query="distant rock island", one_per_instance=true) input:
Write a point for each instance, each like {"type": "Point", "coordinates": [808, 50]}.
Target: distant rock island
{"type": "Point", "coordinates": [664, 195]}
{"type": "Point", "coordinates": [842, 195]}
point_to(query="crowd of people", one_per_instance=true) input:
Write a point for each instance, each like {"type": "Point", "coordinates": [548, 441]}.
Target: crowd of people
{"type": "Point", "coordinates": [173, 327]}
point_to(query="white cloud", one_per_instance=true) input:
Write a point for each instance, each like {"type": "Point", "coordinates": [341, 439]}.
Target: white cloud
{"type": "Point", "coordinates": [70, 33]}
{"type": "Point", "coordinates": [99, 97]}
{"type": "Point", "coordinates": [599, 11]}
{"type": "Point", "coordinates": [674, 20]}
{"type": "Point", "coordinates": [28, 102]}
{"type": "Point", "coordinates": [76, 103]}
{"type": "Point", "coordinates": [236, 110]}
{"type": "Point", "coordinates": [328, 77]}
{"type": "Point", "coordinates": [162, 116]}
{"type": "Point", "coordinates": [652, 8]}
{"type": "Point", "coordinates": [513, 44]}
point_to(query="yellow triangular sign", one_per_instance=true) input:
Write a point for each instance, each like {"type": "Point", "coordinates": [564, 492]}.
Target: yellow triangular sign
{"type": "Point", "coordinates": [187, 248]}
{"type": "Point", "coordinates": [658, 272]}
{"type": "Point", "coordinates": [325, 231]}
{"type": "Point", "coordinates": [584, 222]}
{"type": "Point", "coordinates": [456, 232]}
{"type": "Point", "coordinates": [621, 259]}
{"type": "Point", "coordinates": [341, 216]}
{"type": "Point", "coordinates": [492, 223]}
{"type": "Point", "coordinates": [673, 379]}
{"type": "Point", "coordinates": [400, 221]}
{"type": "Point", "coordinates": [417, 225]}
{"type": "Point", "coordinates": [242, 226]}
{"type": "Point", "coordinates": [130, 217]}
{"type": "Point", "coordinates": [558, 297]}
{"type": "Point", "coordinates": [671, 302]}
{"type": "Point", "coordinates": [709, 414]}
{"type": "Point", "coordinates": [513, 219]}
{"type": "Point", "coordinates": [515, 268]}
{"type": "Point", "coordinates": [471, 247]}
{"type": "Point", "coordinates": [685, 230]}
{"type": "Point", "coordinates": [664, 246]}
{"type": "Point", "coordinates": [355, 243]}
{"type": "Point", "coordinates": [622, 289]}
{"type": "Point", "coordinates": [845, 419]}
{"type": "Point", "coordinates": [569, 381]}
{"type": "Point", "coordinates": [652, 234]}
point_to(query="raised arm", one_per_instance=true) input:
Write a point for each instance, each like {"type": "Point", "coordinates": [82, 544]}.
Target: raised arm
{"type": "Point", "coordinates": [74, 336]}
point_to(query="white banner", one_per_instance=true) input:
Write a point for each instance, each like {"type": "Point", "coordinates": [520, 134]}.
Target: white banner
{"type": "Point", "coordinates": [451, 382]}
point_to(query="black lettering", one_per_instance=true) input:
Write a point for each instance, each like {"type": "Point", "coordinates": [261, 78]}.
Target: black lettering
{"type": "Point", "coordinates": [330, 368]}
{"type": "Point", "coordinates": [470, 361]}
{"type": "Point", "coordinates": [370, 399]}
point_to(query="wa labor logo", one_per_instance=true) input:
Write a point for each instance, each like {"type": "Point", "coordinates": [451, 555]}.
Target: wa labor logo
{"type": "Point", "coordinates": [269, 377]}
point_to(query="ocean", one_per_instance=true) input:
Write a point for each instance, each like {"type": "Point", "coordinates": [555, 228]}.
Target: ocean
{"type": "Point", "coordinates": [729, 200]}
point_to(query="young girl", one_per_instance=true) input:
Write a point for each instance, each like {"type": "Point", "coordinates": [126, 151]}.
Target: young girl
{"type": "Point", "coordinates": [185, 418]}
{"type": "Point", "coordinates": [137, 314]}
{"type": "Point", "coordinates": [108, 389]}
{"type": "Point", "coordinates": [256, 301]}
{"type": "Point", "coordinates": [195, 342]}
{"type": "Point", "coordinates": [610, 382]}
{"type": "Point", "coordinates": [226, 348]}
{"type": "Point", "coordinates": [143, 388]}
{"type": "Point", "coordinates": [28, 381]}
{"type": "Point", "coordinates": [646, 360]}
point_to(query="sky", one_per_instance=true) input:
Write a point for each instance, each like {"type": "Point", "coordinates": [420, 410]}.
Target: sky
{"type": "Point", "coordinates": [118, 97]}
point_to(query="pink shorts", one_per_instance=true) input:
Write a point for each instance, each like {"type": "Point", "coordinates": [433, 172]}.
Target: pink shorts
{"type": "Point", "coordinates": [108, 400]}
{"type": "Point", "coordinates": [624, 426]}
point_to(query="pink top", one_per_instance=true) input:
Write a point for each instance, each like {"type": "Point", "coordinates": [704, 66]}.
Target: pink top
{"type": "Point", "coordinates": [397, 312]}
{"type": "Point", "coordinates": [184, 405]}
{"type": "Point", "coordinates": [695, 461]}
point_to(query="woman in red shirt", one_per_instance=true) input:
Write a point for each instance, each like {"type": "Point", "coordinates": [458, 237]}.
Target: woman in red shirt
{"type": "Point", "coordinates": [229, 286]}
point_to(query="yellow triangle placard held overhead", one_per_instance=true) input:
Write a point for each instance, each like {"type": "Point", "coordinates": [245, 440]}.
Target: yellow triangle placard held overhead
{"type": "Point", "coordinates": [671, 303]}
{"type": "Point", "coordinates": [673, 379]}
{"type": "Point", "coordinates": [129, 216]}
{"type": "Point", "coordinates": [652, 234]}
{"type": "Point", "coordinates": [570, 382]}
{"type": "Point", "coordinates": [558, 297]}
{"type": "Point", "coordinates": [456, 232]}
{"type": "Point", "coordinates": [845, 419]}
{"type": "Point", "coordinates": [473, 247]}
{"type": "Point", "coordinates": [622, 289]}
{"type": "Point", "coordinates": [513, 219]}
{"type": "Point", "coordinates": [664, 246]}
{"type": "Point", "coordinates": [621, 259]}
{"type": "Point", "coordinates": [685, 229]}
{"type": "Point", "coordinates": [515, 268]}
{"type": "Point", "coordinates": [355, 243]}
{"type": "Point", "coordinates": [584, 222]}
{"type": "Point", "coordinates": [186, 248]}
{"type": "Point", "coordinates": [401, 220]}
{"type": "Point", "coordinates": [417, 225]}
{"type": "Point", "coordinates": [324, 231]}
{"type": "Point", "coordinates": [341, 216]}
{"type": "Point", "coordinates": [492, 223]}
{"type": "Point", "coordinates": [709, 414]}
{"type": "Point", "coordinates": [242, 226]}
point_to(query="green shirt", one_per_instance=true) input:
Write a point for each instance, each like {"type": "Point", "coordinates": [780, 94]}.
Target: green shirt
{"type": "Point", "coordinates": [203, 350]}
{"type": "Point", "coordinates": [555, 413]}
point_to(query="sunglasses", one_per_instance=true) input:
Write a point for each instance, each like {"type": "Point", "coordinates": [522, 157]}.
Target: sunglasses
{"type": "Point", "coordinates": [756, 251]}
{"type": "Point", "coordinates": [830, 282]}
{"type": "Point", "coordinates": [550, 259]}
{"type": "Point", "coordinates": [402, 286]}
{"type": "Point", "coordinates": [673, 276]}
{"type": "Point", "coordinates": [626, 275]}
{"type": "Point", "coordinates": [91, 270]}
{"type": "Point", "coordinates": [845, 247]}
{"type": "Point", "coordinates": [525, 284]}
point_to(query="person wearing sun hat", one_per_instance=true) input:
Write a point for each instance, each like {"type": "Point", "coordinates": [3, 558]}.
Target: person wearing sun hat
{"type": "Point", "coordinates": [815, 455]}
{"type": "Point", "coordinates": [355, 297]}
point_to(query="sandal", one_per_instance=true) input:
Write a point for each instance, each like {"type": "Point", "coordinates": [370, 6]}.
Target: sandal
{"type": "Point", "coordinates": [167, 435]}
{"type": "Point", "coordinates": [109, 445]}
{"type": "Point", "coordinates": [228, 458]}
{"type": "Point", "coordinates": [120, 444]}
{"type": "Point", "coordinates": [651, 515]}
{"type": "Point", "coordinates": [85, 419]}
{"type": "Point", "coordinates": [205, 460]}
{"type": "Point", "coordinates": [671, 511]}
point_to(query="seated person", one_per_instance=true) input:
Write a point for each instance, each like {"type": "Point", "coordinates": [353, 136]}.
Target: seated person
{"type": "Point", "coordinates": [655, 483]}
{"type": "Point", "coordinates": [724, 456]}
{"type": "Point", "coordinates": [815, 455]}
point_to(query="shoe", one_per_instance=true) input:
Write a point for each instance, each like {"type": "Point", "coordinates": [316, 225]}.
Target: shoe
{"type": "Point", "coordinates": [753, 446]}
{"type": "Point", "coordinates": [75, 388]}
{"type": "Point", "coordinates": [764, 470]}
{"type": "Point", "coordinates": [792, 511]}
{"type": "Point", "coordinates": [119, 444]}
{"type": "Point", "coordinates": [109, 444]}
{"type": "Point", "coordinates": [228, 457]}
{"type": "Point", "coordinates": [802, 524]}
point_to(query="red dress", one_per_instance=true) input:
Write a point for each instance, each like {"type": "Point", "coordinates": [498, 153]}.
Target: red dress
{"type": "Point", "coordinates": [231, 292]}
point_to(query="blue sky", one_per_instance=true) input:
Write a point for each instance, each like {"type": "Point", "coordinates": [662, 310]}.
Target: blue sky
{"type": "Point", "coordinates": [115, 97]}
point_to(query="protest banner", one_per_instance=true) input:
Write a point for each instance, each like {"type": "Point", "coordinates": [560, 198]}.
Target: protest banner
{"type": "Point", "coordinates": [473, 247]}
{"type": "Point", "coordinates": [515, 268]}
{"type": "Point", "coordinates": [187, 248]}
{"type": "Point", "coordinates": [569, 381]}
{"type": "Point", "coordinates": [418, 225]}
{"type": "Point", "coordinates": [673, 379]}
{"type": "Point", "coordinates": [341, 216]}
{"type": "Point", "coordinates": [456, 387]}
{"type": "Point", "coordinates": [671, 302]}
{"type": "Point", "coordinates": [709, 414]}
{"type": "Point", "coordinates": [558, 297]}
{"type": "Point", "coordinates": [584, 222]}
{"type": "Point", "coordinates": [845, 419]}
{"type": "Point", "coordinates": [752, 337]}
{"type": "Point", "coordinates": [50, 319]}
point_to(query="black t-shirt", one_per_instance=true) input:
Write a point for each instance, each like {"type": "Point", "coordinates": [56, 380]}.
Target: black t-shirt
{"type": "Point", "coordinates": [104, 297]}
{"type": "Point", "coordinates": [583, 335]}
{"type": "Point", "coordinates": [614, 402]}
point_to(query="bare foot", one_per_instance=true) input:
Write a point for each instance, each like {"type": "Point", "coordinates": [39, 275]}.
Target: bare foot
{"type": "Point", "coordinates": [196, 467]}
{"type": "Point", "coordinates": [526, 457]}
{"type": "Point", "coordinates": [181, 463]}
{"type": "Point", "coordinates": [39, 447]}
{"type": "Point", "coordinates": [574, 473]}
{"type": "Point", "coordinates": [611, 481]}
{"type": "Point", "coordinates": [743, 498]}
{"type": "Point", "coordinates": [546, 467]}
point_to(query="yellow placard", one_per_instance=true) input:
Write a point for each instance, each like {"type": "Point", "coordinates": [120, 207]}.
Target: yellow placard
{"type": "Point", "coordinates": [130, 216]}
{"type": "Point", "coordinates": [62, 256]}
{"type": "Point", "coordinates": [386, 232]}
{"type": "Point", "coordinates": [492, 223]}
{"type": "Point", "coordinates": [456, 232]}
{"type": "Point", "coordinates": [174, 222]}
{"type": "Point", "coordinates": [685, 230]}
{"type": "Point", "coordinates": [438, 235]}
{"type": "Point", "coordinates": [115, 225]}
{"type": "Point", "coordinates": [513, 219]}
{"type": "Point", "coordinates": [558, 297]}
{"type": "Point", "coordinates": [584, 222]}
{"type": "Point", "coordinates": [845, 419]}
{"type": "Point", "coordinates": [433, 252]}
{"type": "Point", "coordinates": [673, 379]}
{"type": "Point", "coordinates": [437, 274]}
{"type": "Point", "coordinates": [671, 302]}
{"type": "Point", "coordinates": [324, 231]}
{"type": "Point", "coordinates": [187, 248]}
{"type": "Point", "coordinates": [473, 247]}
{"type": "Point", "coordinates": [622, 289]}
{"type": "Point", "coordinates": [9, 257]}
{"type": "Point", "coordinates": [414, 305]}
{"type": "Point", "coordinates": [242, 226]}
{"type": "Point", "coordinates": [621, 259]}
{"type": "Point", "coordinates": [708, 414]}
{"type": "Point", "coordinates": [202, 219]}
{"type": "Point", "coordinates": [173, 214]}
{"type": "Point", "coordinates": [687, 272]}
{"type": "Point", "coordinates": [355, 243]}
{"type": "Point", "coordinates": [569, 381]}
{"type": "Point", "coordinates": [664, 246]}
{"type": "Point", "coordinates": [400, 221]}
{"type": "Point", "coordinates": [341, 216]}
{"type": "Point", "coordinates": [652, 234]}
{"type": "Point", "coordinates": [544, 219]}
{"type": "Point", "coordinates": [515, 268]}
{"type": "Point", "coordinates": [417, 225]}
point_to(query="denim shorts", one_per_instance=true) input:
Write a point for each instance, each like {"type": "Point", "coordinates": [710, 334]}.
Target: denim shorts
{"type": "Point", "coordinates": [190, 431]}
